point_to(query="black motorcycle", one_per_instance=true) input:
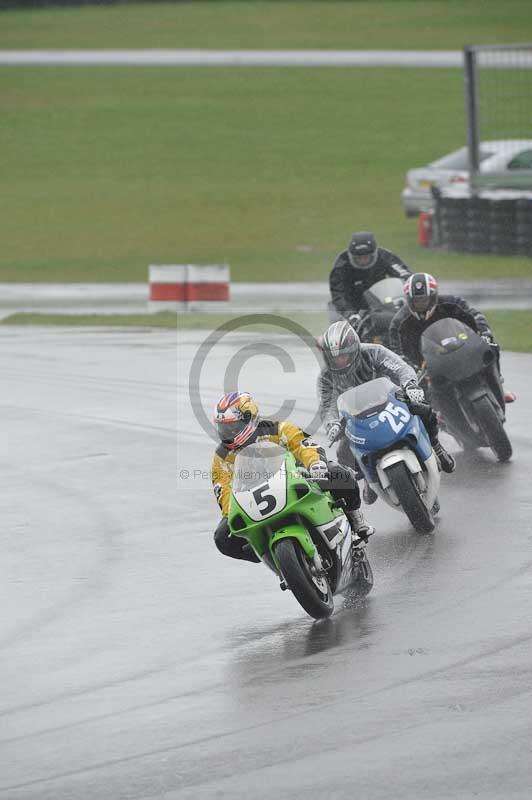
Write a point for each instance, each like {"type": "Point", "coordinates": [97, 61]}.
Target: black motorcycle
{"type": "Point", "coordinates": [463, 378]}
{"type": "Point", "coordinates": [381, 302]}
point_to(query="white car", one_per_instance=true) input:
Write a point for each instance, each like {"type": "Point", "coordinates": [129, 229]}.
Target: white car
{"type": "Point", "coordinates": [497, 156]}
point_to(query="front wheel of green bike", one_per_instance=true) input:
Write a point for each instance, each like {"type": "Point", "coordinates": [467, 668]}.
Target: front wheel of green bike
{"type": "Point", "coordinates": [311, 590]}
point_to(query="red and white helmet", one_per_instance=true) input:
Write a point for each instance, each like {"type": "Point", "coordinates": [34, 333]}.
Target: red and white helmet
{"type": "Point", "coordinates": [236, 418]}
{"type": "Point", "coordinates": [421, 293]}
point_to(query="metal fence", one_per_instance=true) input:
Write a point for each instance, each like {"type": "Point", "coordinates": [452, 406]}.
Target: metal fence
{"type": "Point", "coordinates": [499, 108]}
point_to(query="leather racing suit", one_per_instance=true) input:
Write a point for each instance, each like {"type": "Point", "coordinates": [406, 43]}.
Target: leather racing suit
{"type": "Point", "coordinates": [347, 283]}
{"type": "Point", "coordinates": [376, 361]}
{"type": "Point", "coordinates": [406, 330]}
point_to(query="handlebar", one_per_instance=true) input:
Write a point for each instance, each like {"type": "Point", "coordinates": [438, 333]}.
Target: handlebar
{"type": "Point", "coordinates": [416, 408]}
{"type": "Point", "coordinates": [340, 432]}
{"type": "Point", "coordinates": [322, 482]}
{"type": "Point", "coordinates": [419, 408]}
{"type": "Point", "coordinates": [422, 374]}
{"type": "Point", "coordinates": [363, 316]}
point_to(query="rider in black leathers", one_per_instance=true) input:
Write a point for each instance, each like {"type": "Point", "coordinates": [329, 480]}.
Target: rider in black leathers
{"type": "Point", "coordinates": [424, 305]}
{"type": "Point", "coordinates": [356, 269]}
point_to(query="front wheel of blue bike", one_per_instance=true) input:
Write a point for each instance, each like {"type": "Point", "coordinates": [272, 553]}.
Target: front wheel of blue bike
{"type": "Point", "coordinates": [408, 495]}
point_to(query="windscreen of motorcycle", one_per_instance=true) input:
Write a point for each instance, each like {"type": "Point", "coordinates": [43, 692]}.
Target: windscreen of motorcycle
{"type": "Point", "coordinates": [259, 480]}
{"type": "Point", "coordinates": [368, 397]}
{"type": "Point", "coordinates": [445, 336]}
{"type": "Point", "coordinates": [453, 351]}
{"type": "Point", "coordinates": [386, 293]}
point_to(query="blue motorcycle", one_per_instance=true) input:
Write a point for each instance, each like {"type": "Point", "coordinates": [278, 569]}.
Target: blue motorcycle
{"type": "Point", "coordinates": [392, 449]}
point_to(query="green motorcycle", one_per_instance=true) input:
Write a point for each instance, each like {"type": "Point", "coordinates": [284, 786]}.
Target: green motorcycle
{"type": "Point", "coordinates": [295, 528]}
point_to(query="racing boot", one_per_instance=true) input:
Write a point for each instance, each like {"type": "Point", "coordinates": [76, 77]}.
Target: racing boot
{"type": "Point", "coordinates": [445, 459]}
{"type": "Point", "coordinates": [368, 494]}
{"type": "Point", "coordinates": [509, 397]}
{"type": "Point", "coordinates": [361, 530]}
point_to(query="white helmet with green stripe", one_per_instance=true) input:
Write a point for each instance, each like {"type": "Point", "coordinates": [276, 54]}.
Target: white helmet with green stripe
{"type": "Point", "coordinates": [340, 345]}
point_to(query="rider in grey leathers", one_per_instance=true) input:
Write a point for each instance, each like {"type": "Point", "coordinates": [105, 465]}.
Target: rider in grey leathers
{"type": "Point", "coordinates": [348, 363]}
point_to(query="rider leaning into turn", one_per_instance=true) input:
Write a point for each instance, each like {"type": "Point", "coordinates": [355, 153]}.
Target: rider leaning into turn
{"type": "Point", "coordinates": [239, 425]}
{"type": "Point", "coordinates": [356, 269]}
{"type": "Point", "coordinates": [348, 363]}
{"type": "Point", "coordinates": [424, 305]}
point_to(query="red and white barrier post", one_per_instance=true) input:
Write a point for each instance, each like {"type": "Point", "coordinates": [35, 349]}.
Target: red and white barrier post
{"type": "Point", "coordinates": [207, 287]}
{"type": "Point", "coordinates": [168, 283]}
{"type": "Point", "coordinates": [188, 287]}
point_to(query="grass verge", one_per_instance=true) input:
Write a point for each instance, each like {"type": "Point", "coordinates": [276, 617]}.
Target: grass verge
{"type": "Point", "coordinates": [163, 319]}
{"type": "Point", "coordinates": [313, 323]}
{"type": "Point", "coordinates": [512, 328]}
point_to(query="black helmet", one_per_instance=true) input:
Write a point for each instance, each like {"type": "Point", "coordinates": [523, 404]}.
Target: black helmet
{"type": "Point", "coordinates": [421, 293]}
{"type": "Point", "coordinates": [340, 346]}
{"type": "Point", "coordinates": [362, 250]}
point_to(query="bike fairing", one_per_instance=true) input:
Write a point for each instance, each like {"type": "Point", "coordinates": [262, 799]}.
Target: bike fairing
{"type": "Point", "coordinates": [393, 450]}
{"type": "Point", "coordinates": [376, 361]}
{"type": "Point", "coordinates": [466, 385]}
{"type": "Point", "coordinates": [305, 450]}
{"type": "Point", "coordinates": [260, 500]}
{"type": "Point", "coordinates": [406, 330]}
{"type": "Point", "coordinates": [383, 299]}
{"type": "Point", "coordinates": [383, 426]}
{"type": "Point", "coordinates": [291, 510]}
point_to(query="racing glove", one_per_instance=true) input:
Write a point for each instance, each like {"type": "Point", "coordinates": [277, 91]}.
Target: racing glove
{"type": "Point", "coordinates": [318, 470]}
{"type": "Point", "coordinates": [414, 393]}
{"type": "Point", "coordinates": [333, 429]}
{"type": "Point", "coordinates": [488, 338]}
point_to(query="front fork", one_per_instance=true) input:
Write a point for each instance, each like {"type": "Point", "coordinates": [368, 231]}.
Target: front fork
{"type": "Point", "coordinates": [303, 538]}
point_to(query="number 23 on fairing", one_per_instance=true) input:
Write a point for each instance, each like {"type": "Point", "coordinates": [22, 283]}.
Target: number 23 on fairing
{"type": "Point", "coordinates": [266, 499]}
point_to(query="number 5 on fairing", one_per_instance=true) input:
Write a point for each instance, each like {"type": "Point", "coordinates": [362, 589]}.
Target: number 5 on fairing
{"type": "Point", "coordinates": [261, 501]}
{"type": "Point", "coordinates": [269, 499]}
{"type": "Point", "coordinates": [389, 415]}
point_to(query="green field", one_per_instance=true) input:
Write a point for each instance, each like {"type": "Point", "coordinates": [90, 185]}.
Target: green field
{"type": "Point", "coordinates": [323, 24]}
{"type": "Point", "coordinates": [106, 170]}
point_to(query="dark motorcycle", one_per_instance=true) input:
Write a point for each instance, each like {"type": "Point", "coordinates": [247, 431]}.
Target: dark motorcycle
{"type": "Point", "coordinates": [381, 301]}
{"type": "Point", "coordinates": [462, 373]}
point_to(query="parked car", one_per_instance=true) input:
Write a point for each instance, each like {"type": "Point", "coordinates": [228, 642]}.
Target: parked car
{"type": "Point", "coordinates": [497, 156]}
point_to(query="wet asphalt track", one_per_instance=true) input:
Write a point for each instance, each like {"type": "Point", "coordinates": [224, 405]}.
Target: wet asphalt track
{"type": "Point", "coordinates": [136, 662]}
